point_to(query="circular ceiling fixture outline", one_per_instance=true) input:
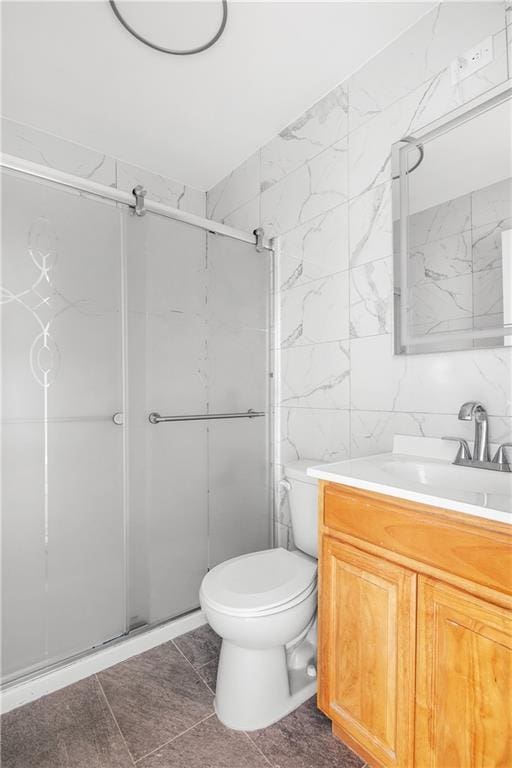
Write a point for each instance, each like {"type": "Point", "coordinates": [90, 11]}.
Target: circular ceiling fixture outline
{"type": "Point", "coordinates": [173, 51]}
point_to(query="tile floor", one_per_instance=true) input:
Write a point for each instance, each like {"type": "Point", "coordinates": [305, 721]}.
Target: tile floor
{"type": "Point", "coordinates": [156, 711]}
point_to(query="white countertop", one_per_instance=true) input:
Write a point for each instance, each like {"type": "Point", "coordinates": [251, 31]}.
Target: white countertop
{"type": "Point", "coordinates": [421, 469]}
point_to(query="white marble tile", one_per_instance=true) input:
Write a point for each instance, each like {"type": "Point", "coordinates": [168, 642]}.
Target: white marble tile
{"type": "Point", "coordinates": [440, 96]}
{"type": "Point", "coordinates": [328, 181]}
{"type": "Point", "coordinates": [372, 431]}
{"type": "Point", "coordinates": [440, 221]}
{"type": "Point", "coordinates": [500, 430]}
{"type": "Point", "coordinates": [315, 249]}
{"type": "Point", "coordinates": [431, 383]}
{"type": "Point", "coordinates": [283, 536]}
{"type": "Point", "coordinates": [419, 54]}
{"type": "Point", "coordinates": [371, 298]}
{"type": "Point", "coordinates": [309, 433]}
{"type": "Point", "coordinates": [234, 190]}
{"type": "Point", "coordinates": [315, 376]}
{"type": "Point", "coordinates": [493, 204]}
{"type": "Point", "coordinates": [370, 223]}
{"type": "Point", "coordinates": [314, 188]}
{"type": "Point", "coordinates": [247, 217]}
{"type": "Point", "coordinates": [325, 123]}
{"type": "Point", "coordinates": [54, 152]}
{"type": "Point", "coordinates": [315, 312]}
{"type": "Point", "coordinates": [370, 144]}
{"type": "Point", "coordinates": [161, 189]}
{"type": "Point", "coordinates": [282, 497]}
{"type": "Point", "coordinates": [282, 203]}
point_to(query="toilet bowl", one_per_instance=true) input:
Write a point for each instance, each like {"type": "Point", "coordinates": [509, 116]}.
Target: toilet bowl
{"type": "Point", "coordinates": [263, 606]}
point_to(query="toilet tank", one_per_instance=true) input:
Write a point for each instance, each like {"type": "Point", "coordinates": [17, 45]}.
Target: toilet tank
{"type": "Point", "coordinates": [303, 499]}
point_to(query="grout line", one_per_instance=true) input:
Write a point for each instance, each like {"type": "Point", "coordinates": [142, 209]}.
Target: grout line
{"type": "Point", "coordinates": [259, 750]}
{"type": "Point", "coordinates": [166, 743]}
{"type": "Point", "coordinates": [114, 718]}
{"type": "Point", "coordinates": [195, 670]}
{"type": "Point", "coordinates": [204, 681]}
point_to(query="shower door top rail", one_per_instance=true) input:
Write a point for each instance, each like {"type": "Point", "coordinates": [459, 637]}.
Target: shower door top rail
{"type": "Point", "coordinates": [155, 418]}
{"type": "Point", "coordinates": [13, 163]}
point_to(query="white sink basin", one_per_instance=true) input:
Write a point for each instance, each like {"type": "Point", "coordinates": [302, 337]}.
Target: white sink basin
{"type": "Point", "coordinates": [437, 474]}
{"type": "Point", "coordinates": [427, 479]}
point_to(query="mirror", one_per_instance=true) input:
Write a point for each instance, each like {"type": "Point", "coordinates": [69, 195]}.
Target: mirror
{"type": "Point", "coordinates": [452, 218]}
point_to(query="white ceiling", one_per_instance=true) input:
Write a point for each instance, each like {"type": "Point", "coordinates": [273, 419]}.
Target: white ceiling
{"type": "Point", "coordinates": [70, 68]}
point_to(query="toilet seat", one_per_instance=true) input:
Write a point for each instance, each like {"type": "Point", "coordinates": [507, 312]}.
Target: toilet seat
{"type": "Point", "coordinates": [260, 583]}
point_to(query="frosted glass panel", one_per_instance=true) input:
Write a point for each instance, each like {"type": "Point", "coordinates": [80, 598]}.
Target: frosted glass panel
{"type": "Point", "coordinates": [238, 379]}
{"type": "Point", "coordinates": [63, 517]}
{"type": "Point", "coordinates": [167, 373]}
{"type": "Point", "coordinates": [238, 488]}
{"type": "Point", "coordinates": [23, 537]}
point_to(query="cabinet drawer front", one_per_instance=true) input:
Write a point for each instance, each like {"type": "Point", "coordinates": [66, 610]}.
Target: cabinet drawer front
{"type": "Point", "coordinates": [464, 680]}
{"type": "Point", "coordinates": [366, 650]}
{"type": "Point", "coordinates": [470, 550]}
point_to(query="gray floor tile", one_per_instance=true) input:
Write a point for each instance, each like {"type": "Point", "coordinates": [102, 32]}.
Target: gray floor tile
{"type": "Point", "coordinates": [208, 745]}
{"type": "Point", "coordinates": [71, 728]}
{"type": "Point", "coordinates": [199, 646]}
{"type": "Point", "coordinates": [303, 739]}
{"type": "Point", "coordinates": [154, 697]}
{"type": "Point", "coordinates": [208, 672]}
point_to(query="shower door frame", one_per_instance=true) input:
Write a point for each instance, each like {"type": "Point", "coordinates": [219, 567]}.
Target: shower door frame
{"type": "Point", "coordinates": [139, 204]}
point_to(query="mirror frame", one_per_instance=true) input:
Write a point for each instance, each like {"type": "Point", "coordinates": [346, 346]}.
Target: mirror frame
{"type": "Point", "coordinates": [471, 338]}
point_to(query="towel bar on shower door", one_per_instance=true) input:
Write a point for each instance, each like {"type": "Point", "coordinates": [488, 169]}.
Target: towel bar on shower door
{"type": "Point", "coordinates": [155, 418]}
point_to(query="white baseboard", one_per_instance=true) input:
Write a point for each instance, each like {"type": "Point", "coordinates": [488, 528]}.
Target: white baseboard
{"type": "Point", "coordinates": [29, 690]}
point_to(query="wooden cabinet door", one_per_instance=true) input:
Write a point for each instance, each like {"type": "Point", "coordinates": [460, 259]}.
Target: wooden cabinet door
{"type": "Point", "coordinates": [366, 652]}
{"type": "Point", "coordinates": [464, 680]}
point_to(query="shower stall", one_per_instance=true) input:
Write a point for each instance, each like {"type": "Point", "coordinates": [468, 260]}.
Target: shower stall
{"type": "Point", "coordinates": [110, 519]}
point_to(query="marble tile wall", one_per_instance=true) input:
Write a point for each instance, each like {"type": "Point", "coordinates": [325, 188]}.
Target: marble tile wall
{"type": "Point", "coordinates": [44, 148]}
{"type": "Point", "coordinates": [323, 185]}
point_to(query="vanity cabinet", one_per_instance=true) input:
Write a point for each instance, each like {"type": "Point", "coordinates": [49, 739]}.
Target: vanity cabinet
{"type": "Point", "coordinates": [464, 679]}
{"type": "Point", "coordinates": [415, 651]}
{"type": "Point", "coordinates": [367, 672]}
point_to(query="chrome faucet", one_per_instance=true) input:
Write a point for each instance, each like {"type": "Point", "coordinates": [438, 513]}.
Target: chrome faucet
{"type": "Point", "coordinates": [475, 410]}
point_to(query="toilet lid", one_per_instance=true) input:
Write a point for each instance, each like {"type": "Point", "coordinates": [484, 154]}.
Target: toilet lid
{"type": "Point", "coordinates": [258, 582]}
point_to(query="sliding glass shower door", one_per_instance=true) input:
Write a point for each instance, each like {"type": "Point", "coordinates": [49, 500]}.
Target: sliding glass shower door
{"type": "Point", "coordinates": [63, 564]}
{"type": "Point", "coordinates": [197, 344]}
{"type": "Point", "coordinates": [168, 511]}
{"type": "Point", "coordinates": [110, 521]}
{"type": "Point", "coordinates": [238, 280]}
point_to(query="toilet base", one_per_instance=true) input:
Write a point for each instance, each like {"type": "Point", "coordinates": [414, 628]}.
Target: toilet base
{"type": "Point", "coordinates": [256, 688]}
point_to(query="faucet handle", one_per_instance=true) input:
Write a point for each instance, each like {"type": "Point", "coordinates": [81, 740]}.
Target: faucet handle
{"type": "Point", "coordinates": [463, 454]}
{"type": "Point", "coordinates": [500, 457]}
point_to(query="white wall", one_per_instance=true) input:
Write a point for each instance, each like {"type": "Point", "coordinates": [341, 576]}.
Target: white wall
{"type": "Point", "coordinates": [323, 184]}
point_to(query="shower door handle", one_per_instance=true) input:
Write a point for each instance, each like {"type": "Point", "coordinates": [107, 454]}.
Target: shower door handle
{"type": "Point", "coordinates": [155, 417]}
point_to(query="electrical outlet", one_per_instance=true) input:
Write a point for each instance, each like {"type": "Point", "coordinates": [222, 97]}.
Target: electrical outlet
{"type": "Point", "coordinates": [473, 60]}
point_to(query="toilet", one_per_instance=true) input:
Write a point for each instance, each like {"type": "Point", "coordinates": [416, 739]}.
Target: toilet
{"type": "Point", "coordinates": [263, 606]}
